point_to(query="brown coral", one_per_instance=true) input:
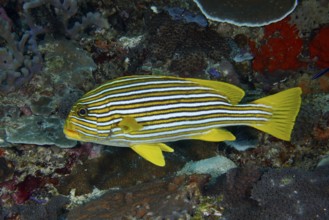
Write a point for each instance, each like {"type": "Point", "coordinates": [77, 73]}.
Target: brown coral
{"type": "Point", "coordinates": [188, 45]}
{"type": "Point", "coordinates": [173, 198]}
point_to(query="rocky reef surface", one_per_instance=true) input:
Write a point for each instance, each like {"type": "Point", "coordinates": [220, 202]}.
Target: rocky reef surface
{"type": "Point", "coordinates": [52, 52]}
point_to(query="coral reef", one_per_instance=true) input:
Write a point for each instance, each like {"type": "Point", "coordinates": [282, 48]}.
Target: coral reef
{"type": "Point", "coordinates": [246, 138]}
{"type": "Point", "coordinates": [310, 15]}
{"type": "Point", "coordinates": [38, 130]}
{"type": "Point", "coordinates": [255, 13]}
{"type": "Point", "coordinates": [215, 166]}
{"type": "Point", "coordinates": [292, 193]}
{"type": "Point", "coordinates": [280, 50]}
{"type": "Point", "coordinates": [123, 167]}
{"type": "Point", "coordinates": [309, 140]}
{"type": "Point", "coordinates": [64, 11]}
{"type": "Point", "coordinates": [31, 174]}
{"type": "Point", "coordinates": [319, 48]}
{"type": "Point", "coordinates": [19, 59]}
{"type": "Point", "coordinates": [66, 66]}
{"type": "Point", "coordinates": [172, 198]}
{"type": "Point", "coordinates": [53, 210]}
{"type": "Point", "coordinates": [251, 193]}
{"type": "Point", "coordinates": [235, 187]}
{"type": "Point", "coordinates": [181, 14]}
{"type": "Point", "coordinates": [53, 51]}
{"type": "Point", "coordinates": [186, 45]}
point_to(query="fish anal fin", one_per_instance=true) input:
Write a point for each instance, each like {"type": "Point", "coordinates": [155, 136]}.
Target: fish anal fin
{"type": "Point", "coordinates": [165, 147]}
{"type": "Point", "coordinates": [232, 92]}
{"type": "Point", "coordinates": [215, 135]}
{"type": "Point", "coordinates": [128, 124]}
{"type": "Point", "coordinates": [152, 152]}
{"type": "Point", "coordinates": [285, 107]}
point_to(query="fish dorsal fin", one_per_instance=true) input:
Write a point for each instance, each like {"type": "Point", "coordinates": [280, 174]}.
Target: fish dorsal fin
{"type": "Point", "coordinates": [232, 92]}
{"type": "Point", "coordinates": [128, 124]}
{"type": "Point", "coordinates": [152, 152]}
{"type": "Point", "coordinates": [215, 135]}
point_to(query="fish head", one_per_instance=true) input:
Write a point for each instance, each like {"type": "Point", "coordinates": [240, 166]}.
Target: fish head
{"type": "Point", "coordinates": [80, 124]}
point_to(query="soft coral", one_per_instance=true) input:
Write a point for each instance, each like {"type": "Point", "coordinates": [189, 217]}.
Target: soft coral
{"type": "Point", "coordinates": [280, 49]}
{"type": "Point", "coordinates": [319, 48]}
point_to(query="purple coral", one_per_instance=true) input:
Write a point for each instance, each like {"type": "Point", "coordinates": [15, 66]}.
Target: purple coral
{"type": "Point", "coordinates": [19, 59]}
{"type": "Point", "coordinates": [64, 11]}
{"type": "Point", "coordinates": [19, 54]}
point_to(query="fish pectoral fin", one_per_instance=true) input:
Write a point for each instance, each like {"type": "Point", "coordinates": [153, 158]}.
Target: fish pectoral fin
{"type": "Point", "coordinates": [232, 92]}
{"type": "Point", "coordinates": [128, 124]}
{"type": "Point", "coordinates": [215, 135]}
{"type": "Point", "coordinates": [152, 152]}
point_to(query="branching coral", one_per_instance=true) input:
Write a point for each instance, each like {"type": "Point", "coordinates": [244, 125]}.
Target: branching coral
{"type": "Point", "coordinates": [64, 11]}
{"type": "Point", "coordinates": [19, 54]}
{"type": "Point", "coordinates": [19, 59]}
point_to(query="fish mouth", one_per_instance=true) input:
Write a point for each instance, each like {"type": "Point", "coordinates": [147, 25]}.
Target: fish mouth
{"type": "Point", "coordinates": [71, 134]}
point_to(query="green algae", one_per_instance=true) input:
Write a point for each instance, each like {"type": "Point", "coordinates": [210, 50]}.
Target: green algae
{"type": "Point", "coordinates": [209, 207]}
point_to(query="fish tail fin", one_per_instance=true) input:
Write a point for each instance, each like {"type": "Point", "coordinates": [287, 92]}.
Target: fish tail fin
{"type": "Point", "coordinates": [285, 107]}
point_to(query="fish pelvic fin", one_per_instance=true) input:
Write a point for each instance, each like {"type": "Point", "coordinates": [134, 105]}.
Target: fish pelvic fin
{"type": "Point", "coordinates": [285, 107]}
{"type": "Point", "coordinates": [152, 152]}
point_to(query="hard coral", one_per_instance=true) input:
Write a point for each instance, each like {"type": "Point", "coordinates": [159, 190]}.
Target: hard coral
{"type": "Point", "coordinates": [293, 194]}
{"type": "Point", "coordinates": [319, 48]}
{"type": "Point", "coordinates": [174, 198]}
{"type": "Point", "coordinates": [64, 12]}
{"type": "Point", "coordinates": [19, 59]}
{"type": "Point", "coordinates": [246, 13]}
{"type": "Point", "coordinates": [235, 186]}
{"type": "Point", "coordinates": [30, 173]}
{"type": "Point", "coordinates": [183, 64]}
{"type": "Point", "coordinates": [187, 44]}
{"type": "Point", "coordinates": [54, 209]}
{"type": "Point", "coordinates": [280, 49]}
{"type": "Point", "coordinates": [253, 193]}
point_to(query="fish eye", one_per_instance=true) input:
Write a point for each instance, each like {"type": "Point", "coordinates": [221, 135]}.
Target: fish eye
{"type": "Point", "coordinates": [82, 112]}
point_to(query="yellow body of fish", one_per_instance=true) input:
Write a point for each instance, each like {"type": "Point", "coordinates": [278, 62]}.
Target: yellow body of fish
{"type": "Point", "coordinates": [143, 112]}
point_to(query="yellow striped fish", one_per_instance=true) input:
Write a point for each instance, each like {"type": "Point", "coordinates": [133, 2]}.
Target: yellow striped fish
{"type": "Point", "coordinates": [142, 112]}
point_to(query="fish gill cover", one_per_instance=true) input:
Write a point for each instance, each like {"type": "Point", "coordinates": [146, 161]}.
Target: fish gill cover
{"type": "Point", "coordinates": [246, 13]}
